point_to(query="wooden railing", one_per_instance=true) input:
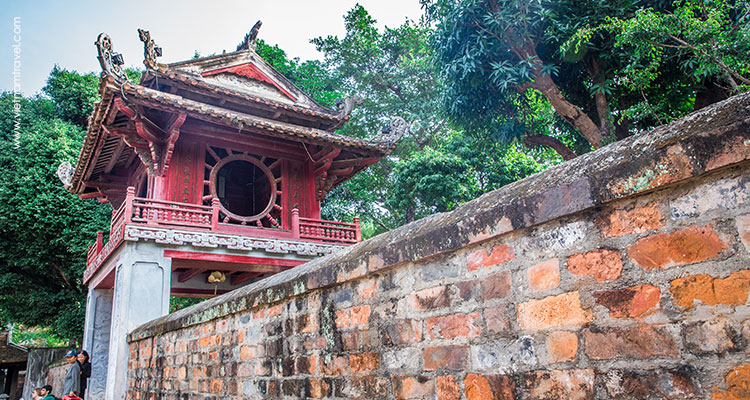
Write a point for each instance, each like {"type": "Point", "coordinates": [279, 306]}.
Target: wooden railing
{"type": "Point", "coordinates": [158, 212]}
{"type": "Point", "coordinates": [330, 231]}
{"type": "Point", "coordinates": [140, 211]}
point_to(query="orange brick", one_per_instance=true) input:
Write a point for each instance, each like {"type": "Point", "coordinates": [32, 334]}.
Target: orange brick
{"type": "Point", "coordinates": [453, 326]}
{"type": "Point", "coordinates": [545, 275]}
{"type": "Point", "coordinates": [553, 312]}
{"type": "Point", "coordinates": [501, 253]}
{"type": "Point", "coordinates": [562, 346]}
{"type": "Point", "coordinates": [445, 357]}
{"type": "Point", "coordinates": [430, 298]}
{"type": "Point", "coordinates": [364, 361]}
{"type": "Point", "coordinates": [367, 289]}
{"type": "Point", "coordinates": [603, 265]}
{"type": "Point", "coordinates": [412, 387]}
{"type": "Point", "coordinates": [319, 388]}
{"type": "Point", "coordinates": [667, 250]}
{"type": "Point", "coordinates": [360, 315]}
{"type": "Point", "coordinates": [637, 220]}
{"type": "Point", "coordinates": [732, 290]}
{"type": "Point", "coordinates": [447, 388]}
{"type": "Point", "coordinates": [489, 387]}
{"type": "Point", "coordinates": [630, 302]}
{"type": "Point", "coordinates": [738, 384]}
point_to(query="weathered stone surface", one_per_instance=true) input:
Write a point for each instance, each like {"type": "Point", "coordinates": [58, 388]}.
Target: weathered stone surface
{"type": "Point", "coordinates": [545, 275]}
{"type": "Point", "coordinates": [447, 388]}
{"type": "Point", "coordinates": [452, 357]}
{"type": "Point", "coordinates": [562, 346]}
{"type": "Point", "coordinates": [674, 384]}
{"type": "Point", "coordinates": [737, 385]}
{"type": "Point", "coordinates": [495, 286]}
{"type": "Point", "coordinates": [667, 250]}
{"type": "Point", "coordinates": [604, 265]}
{"type": "Point", "coordinates": [489, 387]}
{"type": "Point", "coordinates": [367, 387]}
{"type": "Point", "coordinates": [743, 228]}
{"type": "Point", "coordinates": [403, 358]}
{"type": "Point", "coordinates": [711, 291]}
{"type": "Point", "coordinates": [504, 355]}
{"type": "Point", "coordinates": [642, 342]}
{"type": "Point", "coordinates": [630, 302]}
{"type": "Point", "coordinates": [718, 335]}
{"type": "Point", "coordinates": [718, 196]}
{"type": "Point", "coordinates": [637, 220]}
{"type": "Point", "coordinates": [412, 386]}
{"type": "Point", "coordinates": [428, 299]}
{"type": "Point", "coordinates": [402, 332]}
{"type": "Point", "coordinates": [498, 319]}
{"type": "Point", "coordinates": [453, 326]}
{"type": "Point", "coordinates": [500, 253]}
{"type": "Point", "coordinates": [671, 167]}
{"type": "Point", "coordinates": [571, 384]}
{"type": "Point", "coordinates": [553, 312]}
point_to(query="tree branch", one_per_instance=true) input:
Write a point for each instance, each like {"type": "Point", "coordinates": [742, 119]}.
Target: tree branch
{"type": "Point", "coordinates": [544, 140]}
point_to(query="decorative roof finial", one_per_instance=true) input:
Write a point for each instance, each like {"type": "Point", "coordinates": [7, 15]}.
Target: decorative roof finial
{"type": "Point", "coordinates": [65, 173]}
{"type": "Point", "coordinates": [392, 133]}
{"type": "Point", "coordinates": [250, 38]}
{"type": "Point", "coordinates": [110, 61]}
{"type": "Point", "coordinates": [346, 105]}
{"type": "Point", "coordinates": [150, 49]}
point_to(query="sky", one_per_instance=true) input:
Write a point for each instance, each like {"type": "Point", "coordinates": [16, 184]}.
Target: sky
{"type": "Point", "coordinates": [63, 33]}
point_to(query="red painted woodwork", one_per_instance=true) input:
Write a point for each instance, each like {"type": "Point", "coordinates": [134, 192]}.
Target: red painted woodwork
{"type": "Point", "coordinates": [185, 216]}
{"type": "Point", "coordinates": [250, 71]}
{"type": "Point", "coordinates": [328, 231]}
{"type": "Point", "coordinates": [189, 255]}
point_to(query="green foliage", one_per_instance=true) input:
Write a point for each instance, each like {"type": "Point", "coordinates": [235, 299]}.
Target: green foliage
{"type": "Point", "coordinates": [178, 303]}
{"type": "Point", "coordinates": [310, 76]}
{"type": "Point", "coordinates": [710, 39]}
{"type": "Point", "coordinates": [434, 168]}
{"type": "Point", "coordinates": [36, 337]}
{"type": "Point", "coordinates": [44, 230]}
{"type": "Point", "coordinates": [74, 94]}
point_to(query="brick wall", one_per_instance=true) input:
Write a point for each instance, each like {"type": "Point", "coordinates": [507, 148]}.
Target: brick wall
{"type": "Point", "coordinates": [621, 274]}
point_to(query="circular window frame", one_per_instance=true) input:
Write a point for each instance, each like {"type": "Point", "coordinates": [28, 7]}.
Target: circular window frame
{"type": "Point", "coordinates": [269, 175]}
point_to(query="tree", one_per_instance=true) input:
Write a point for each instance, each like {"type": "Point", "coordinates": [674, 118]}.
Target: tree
{"type": "Point", "coordinates": [710, 39]}
{"type": "Point", "coordinates": [495, 52]}
{"type": "Point", "coordinates": [394, 70]}
{"type": "Point", "coordinates": [44, 230]}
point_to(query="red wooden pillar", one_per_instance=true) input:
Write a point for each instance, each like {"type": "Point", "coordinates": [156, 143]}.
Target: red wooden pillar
{"type": "Point", "coordinates": [128, 214]}
{"type": "Point", "coordinates": [99, 241]}
{"type": "Point", "coordinates": [215, 214]}
{"type": "Point", "coordinates": [357, 233]}
{"type": "Point", "coordinates": [295, 223]}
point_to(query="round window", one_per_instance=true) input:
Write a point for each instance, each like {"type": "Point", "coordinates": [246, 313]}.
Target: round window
{"type": "Point", "coordinates": [244, 187]}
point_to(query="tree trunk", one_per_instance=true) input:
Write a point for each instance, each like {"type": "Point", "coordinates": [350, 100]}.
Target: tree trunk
{"type": "Point", "coordinates": [569, 111]}
{"type": "Point", "coordinates": [556, 145]}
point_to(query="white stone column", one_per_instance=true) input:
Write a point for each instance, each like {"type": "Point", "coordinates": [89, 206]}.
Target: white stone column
{"type": "Point", "coordinates": [96, 339]}
{"type": "Point", "coordinates": [141, 293]}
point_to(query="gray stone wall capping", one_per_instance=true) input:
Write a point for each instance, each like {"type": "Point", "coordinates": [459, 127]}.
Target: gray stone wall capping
{"type": "Point", "coordinates": [715, 137]}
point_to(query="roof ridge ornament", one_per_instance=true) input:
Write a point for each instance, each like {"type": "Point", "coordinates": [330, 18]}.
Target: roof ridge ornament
{"type": "Point", "coordinates": [110, 61]}
{"type": "Point", "coordinates": [250, 38]}
{"type": "Point", "coordinates": [150, 49]}
{"type": "Point", "coordinates": [390, 134]}
{"type": "Point", "coordinates": [346, 105]}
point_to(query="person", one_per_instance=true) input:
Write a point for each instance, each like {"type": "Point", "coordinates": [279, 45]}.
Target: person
{"type": "Point", "coordinates": [72, 382]}
{"type": "Point", "coordinates": [47, 393]}
{"type": "Point", "coordinates": [83, 362]}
